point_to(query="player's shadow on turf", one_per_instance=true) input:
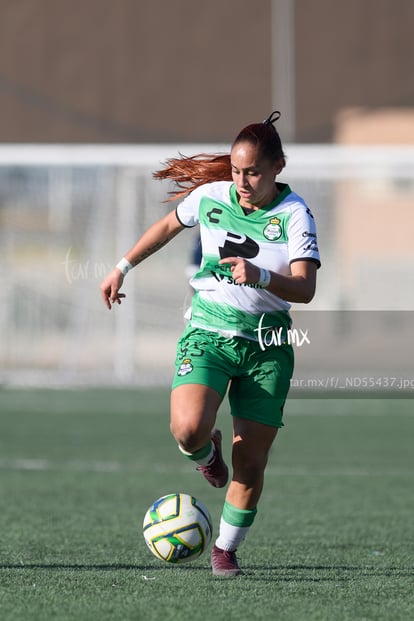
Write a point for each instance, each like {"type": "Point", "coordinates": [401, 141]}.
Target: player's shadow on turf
{"type": "Point", "coordinates": [103, 567]}
{"type": "Point", "coordinates": [301, 573]}
{"type": "Point", "coordinates": [276, 573]}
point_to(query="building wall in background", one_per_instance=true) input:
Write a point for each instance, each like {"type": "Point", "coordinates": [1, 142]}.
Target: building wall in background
{"type": "Point", "coordinates": [186, 71]}
{"type": "Point", "coordinates": [348, 54]}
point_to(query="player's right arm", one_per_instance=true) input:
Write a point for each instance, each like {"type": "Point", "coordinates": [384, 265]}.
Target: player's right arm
{"type": "Point", "coordinates": [154, 238]}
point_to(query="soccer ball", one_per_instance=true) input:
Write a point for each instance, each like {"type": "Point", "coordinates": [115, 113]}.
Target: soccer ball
{"type": "Point", "coordinates": [177, 528]}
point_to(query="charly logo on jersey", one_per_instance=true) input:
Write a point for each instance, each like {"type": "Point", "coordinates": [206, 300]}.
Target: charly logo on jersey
{"type": "Point", "coordinates": [312, 243]}
{"type": "Point", "coordinates": [185, 367]}
{"type": "Point", "coordinates": [273, 230]}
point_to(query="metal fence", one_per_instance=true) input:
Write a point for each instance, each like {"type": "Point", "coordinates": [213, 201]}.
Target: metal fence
{"type": "Point", "coordinates": [68, 214]}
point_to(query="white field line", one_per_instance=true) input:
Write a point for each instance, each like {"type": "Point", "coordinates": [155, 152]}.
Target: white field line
{"type": "Point", "coordinates": [45, 465]}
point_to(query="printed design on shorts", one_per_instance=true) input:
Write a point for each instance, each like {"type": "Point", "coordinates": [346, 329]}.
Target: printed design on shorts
{"type": "Point", "coordinates": [189, 349]}
{"type": "Point", "coordinates": [185, 367]}
{"type": "Point", "coordinates": [273, 230]}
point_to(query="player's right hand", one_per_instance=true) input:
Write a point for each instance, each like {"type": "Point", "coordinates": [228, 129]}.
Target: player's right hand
{"type": "Point", "coordinates": [110, 287]}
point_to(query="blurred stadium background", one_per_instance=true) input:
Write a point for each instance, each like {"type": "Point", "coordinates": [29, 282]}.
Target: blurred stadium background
{"type": "Point", "coordinates": [92, 104]}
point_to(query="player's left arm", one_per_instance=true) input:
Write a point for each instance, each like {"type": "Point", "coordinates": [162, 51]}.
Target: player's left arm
{"type": "Point", "coordinates": [298, 287]}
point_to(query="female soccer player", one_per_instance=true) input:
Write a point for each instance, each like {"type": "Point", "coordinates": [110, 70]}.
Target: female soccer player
{"type": "Point", "coordinates": [259, 254]}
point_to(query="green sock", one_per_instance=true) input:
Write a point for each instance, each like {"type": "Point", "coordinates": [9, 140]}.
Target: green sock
{"type": "Point", "coordinates": [202, 456]}
{"type": "Point", "coordinates": [234, 526]}
{"type": "Point", "coordinates": [238, 517]}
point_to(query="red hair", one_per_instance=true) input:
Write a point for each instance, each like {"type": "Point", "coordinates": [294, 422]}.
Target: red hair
{"type": "Point", "coordinates": [189, 173]}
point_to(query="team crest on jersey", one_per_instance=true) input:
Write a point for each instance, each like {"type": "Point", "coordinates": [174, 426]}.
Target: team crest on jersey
{"type": "Point", "coordinates": [185, 367]}
{"type": "Point", "coordinates": [273, 230]}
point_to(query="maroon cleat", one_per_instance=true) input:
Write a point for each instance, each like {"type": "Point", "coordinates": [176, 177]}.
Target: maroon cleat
{"type": "Point", "coordinates": [224, 563]}
{"type": "Point", "coordinates": [216, 473]}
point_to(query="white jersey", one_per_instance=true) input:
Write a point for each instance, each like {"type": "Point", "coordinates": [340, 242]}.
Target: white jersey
{"type": "Point", "coordinates": [271, 237]}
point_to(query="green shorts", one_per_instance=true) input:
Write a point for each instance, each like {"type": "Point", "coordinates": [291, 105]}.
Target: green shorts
{"type": "Point", "coordinates": [259, 379]}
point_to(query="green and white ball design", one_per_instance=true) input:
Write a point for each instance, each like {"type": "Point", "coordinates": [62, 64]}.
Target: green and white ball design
{"type": "Point", "coordinates": [177, 528]}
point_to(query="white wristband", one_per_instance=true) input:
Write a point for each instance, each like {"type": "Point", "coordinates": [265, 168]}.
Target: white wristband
{"type": "Point", "coordinates": [264, 278]}
{"type": "Point", "coordinates": [124, 265]}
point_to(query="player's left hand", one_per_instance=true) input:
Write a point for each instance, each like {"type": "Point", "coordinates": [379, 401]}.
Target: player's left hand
{"type": "Point", "coordinates": [243, 271]}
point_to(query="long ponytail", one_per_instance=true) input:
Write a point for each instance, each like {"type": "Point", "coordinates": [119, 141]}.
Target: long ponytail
{"type": "Point", "coordinates": [188, 173]}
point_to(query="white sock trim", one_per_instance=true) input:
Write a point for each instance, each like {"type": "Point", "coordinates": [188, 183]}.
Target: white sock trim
{"type": "Point", "coordinates": [230, 537]}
